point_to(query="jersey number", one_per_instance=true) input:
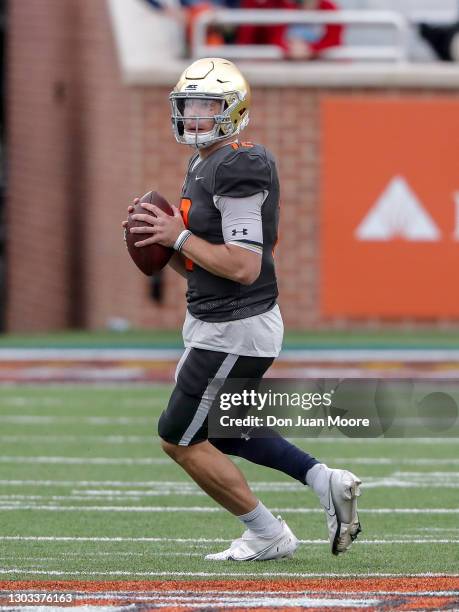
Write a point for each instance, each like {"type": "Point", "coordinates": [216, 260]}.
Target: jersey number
{"type": "Point", "coordinates": [185, 205]}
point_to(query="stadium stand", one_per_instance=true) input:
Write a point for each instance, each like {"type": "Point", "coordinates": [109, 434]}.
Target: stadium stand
{"type": "Point", "coordinates": [375, 29]}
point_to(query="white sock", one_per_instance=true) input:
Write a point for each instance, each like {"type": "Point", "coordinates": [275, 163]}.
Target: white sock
{"type": "Point", "coordinates": [261, 522]}
{"type": "Point", "coordinates": [317, 478]}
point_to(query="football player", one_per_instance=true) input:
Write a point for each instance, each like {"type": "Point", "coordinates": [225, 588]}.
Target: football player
{"type": "Point", "coordinates": [224, 235]}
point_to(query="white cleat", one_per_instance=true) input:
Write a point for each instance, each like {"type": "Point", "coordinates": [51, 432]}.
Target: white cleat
{"type": "Point", "coordinates": [250, 547]}
{"type": "Point", "coordinates": [340, 505]}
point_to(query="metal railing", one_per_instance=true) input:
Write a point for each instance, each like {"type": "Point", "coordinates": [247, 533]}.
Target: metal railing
{"type": "Point", "coordinates": [395, 52]}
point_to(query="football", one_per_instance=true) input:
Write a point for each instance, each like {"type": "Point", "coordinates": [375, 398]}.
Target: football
{"type": "Point", "coordinates": [153, 257]}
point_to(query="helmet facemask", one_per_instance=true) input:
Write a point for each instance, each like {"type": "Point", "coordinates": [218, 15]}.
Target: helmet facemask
{"type": "Point", "coordinates": [225, 117]}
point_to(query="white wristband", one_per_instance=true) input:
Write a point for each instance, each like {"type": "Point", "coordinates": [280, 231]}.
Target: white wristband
{"type": "Point", "coordinates": [182, 238]}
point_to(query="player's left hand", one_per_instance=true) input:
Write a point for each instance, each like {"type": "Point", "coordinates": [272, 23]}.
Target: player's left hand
{"type": "Point", "coordinates": [163, 228]}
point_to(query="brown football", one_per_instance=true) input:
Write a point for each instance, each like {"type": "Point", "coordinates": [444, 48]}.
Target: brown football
{"type": "Point", "coordinates": [153, 257]}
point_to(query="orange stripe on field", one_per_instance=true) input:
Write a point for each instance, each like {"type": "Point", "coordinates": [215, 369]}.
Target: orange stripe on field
{"type": "Point", "coordinates": [428, 603]}
{"type": "Point", "coordinates": [409, 584]}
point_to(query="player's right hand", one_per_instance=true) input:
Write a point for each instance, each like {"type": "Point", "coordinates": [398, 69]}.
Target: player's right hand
{"type": "Point", "coordinates": [130, 210]}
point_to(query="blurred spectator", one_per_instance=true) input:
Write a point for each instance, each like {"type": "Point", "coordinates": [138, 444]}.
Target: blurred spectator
{"type": "Point", "coordinates": [227, 4]}
{"type": "Point", "coordinates": [444, 40]}
{"type": "Point", "coordinates": [251, 34]}
{"type": "Point", "coordinates": [186, 12]}
{"type": "Point", "coordinates": [307, 41]}
{"type": "Point", "coordinates": [177, 11]}
{"type": "Point", "coordinates": [227, 31]}
{"type": "Point", "coordinates": [299, 42]}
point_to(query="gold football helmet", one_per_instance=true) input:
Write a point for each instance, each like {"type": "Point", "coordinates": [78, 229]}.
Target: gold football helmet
{"type": "Point", "coordinates": [210, 102]}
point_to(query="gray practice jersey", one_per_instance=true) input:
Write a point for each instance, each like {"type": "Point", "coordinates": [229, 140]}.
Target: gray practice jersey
{"type": "Point", "coordinates": [224, 198]}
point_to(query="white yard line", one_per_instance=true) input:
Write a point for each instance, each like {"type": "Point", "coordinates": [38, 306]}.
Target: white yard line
{"type": "Point", "coordinates": [258, 598]}
{"type": "Point", "coordinates": [199, 541]}
{"type": "Point", "coordinates": [86, 460]}
{"type": "Point", "coordinates": [17, 499]}
{"type": "Point", "coordinates": [35, 608]}
{"type": "Point", "coordinates": [220, 541]}
{"type": "Point", "coordinates": [372, 441]}
{"type": "Point", "coordinates": [145, 509]}
{"type": "Point", "coordinates": [442, 529]}
{"type": "Point", "coordinates": [382, 440]}
{"type": "Point", "coordinates": [108, 539]}
{"type": "Point", "coordinates": [396, 461]}
{"type": "Point", "coordinates": [23, 459]}
{"type": "Point", "coordinates": [87, 483]}
{"type": "Point", "coordinates": [402, 478]}
{"type": "Point", "coordinates": [26, 419]}
{"type": "Point", "coordinates": [95, 555]}
{"type": "Point", "coordinates": [211, 509]}
{"type": "Point", "coordinates": [248, 600]}
{"type": "Point", "coordinates": [114, 439]}
{"type": "Point", "coordinates": [180, 489]}
{"type": "Point", "coordinates": [14, 570]}
{"type": "Point", "coordinates": [350, 354]}
{"type": "Point", "coordinates": [88, 354]}
{"type": "Point", "coordinates": [31, 400]}
{"type": "Point", "coordinates": [65, 439]}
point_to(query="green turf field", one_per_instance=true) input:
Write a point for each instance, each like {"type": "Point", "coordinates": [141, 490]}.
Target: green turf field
{"type": "Point", "coordinates": [86, 492]}
{"type": "Point", "coordinates": [144, 338]}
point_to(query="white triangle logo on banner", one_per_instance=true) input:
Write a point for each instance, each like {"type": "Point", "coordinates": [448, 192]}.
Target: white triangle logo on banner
{"type": "Point", "coordinates": [398, 213]}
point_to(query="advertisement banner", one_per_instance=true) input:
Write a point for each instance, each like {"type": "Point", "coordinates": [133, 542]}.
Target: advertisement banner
{"type": "Point", "coordinates": [390, 208]}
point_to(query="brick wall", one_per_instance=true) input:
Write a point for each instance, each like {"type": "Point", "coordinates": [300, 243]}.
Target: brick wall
{"type": "Point", "coordinates": [75, 153]}
{"type": "Point", "coordinates": [39, 159]}
{"type": "Point", "coordinates": [81, 145]}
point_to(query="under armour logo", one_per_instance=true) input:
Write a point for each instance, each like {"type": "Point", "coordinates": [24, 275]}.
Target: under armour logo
{"type": "Point", "coordinates": [244, 232]}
